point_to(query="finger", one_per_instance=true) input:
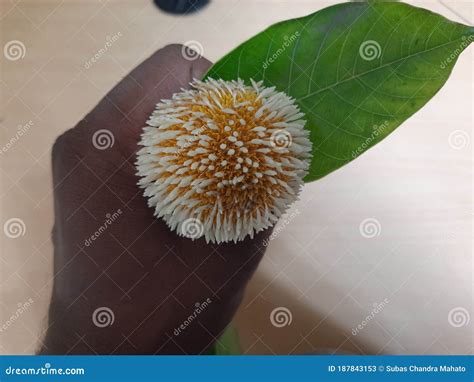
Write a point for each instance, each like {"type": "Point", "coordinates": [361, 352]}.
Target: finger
{"type": "Point", "coordinates": [133, 99]}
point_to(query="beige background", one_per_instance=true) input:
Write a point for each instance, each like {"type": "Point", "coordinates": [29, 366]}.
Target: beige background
{"type": "Point", "coordinates": [417, 184]}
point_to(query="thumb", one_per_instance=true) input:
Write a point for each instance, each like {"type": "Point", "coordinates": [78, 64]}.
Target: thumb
{"type": "Point", "coordinates": [133, 99]}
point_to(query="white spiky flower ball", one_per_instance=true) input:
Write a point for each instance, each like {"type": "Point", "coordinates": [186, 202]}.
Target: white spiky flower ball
{"type": "Point", "coordinates": [223, 160]}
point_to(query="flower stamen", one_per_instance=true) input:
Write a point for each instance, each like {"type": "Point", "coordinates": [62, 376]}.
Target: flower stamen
{"type": "Point", "coordinates": [225, 154]}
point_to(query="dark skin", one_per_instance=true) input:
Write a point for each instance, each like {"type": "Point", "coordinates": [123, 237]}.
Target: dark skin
{"type": "Point", "coordinates": [147, 275]}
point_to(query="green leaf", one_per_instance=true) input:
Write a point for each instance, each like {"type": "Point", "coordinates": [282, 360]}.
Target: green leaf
{"type": "Point", "coordinates": [357, 70]}
{"type": "Point", "coordinates": [228, 343]}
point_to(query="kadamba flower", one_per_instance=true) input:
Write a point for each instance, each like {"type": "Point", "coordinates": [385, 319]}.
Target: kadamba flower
{"type": "Point", "coordinates": [224, 159]}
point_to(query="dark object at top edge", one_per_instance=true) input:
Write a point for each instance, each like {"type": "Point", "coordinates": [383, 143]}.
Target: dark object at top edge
{"type": "Point", "coordinates": [180, 7]}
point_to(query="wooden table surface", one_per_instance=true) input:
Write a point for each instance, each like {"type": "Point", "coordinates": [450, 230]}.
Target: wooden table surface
{"type": "Point", "coordinates": [415, 184]}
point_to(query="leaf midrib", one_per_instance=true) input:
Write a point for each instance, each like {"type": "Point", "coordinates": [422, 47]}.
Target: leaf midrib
{"type": "Point", "coordinates": [337, 83]}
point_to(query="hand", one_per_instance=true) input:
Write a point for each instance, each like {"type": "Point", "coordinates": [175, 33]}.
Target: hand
{"type": "Point", "coordinates": [115, 261]}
